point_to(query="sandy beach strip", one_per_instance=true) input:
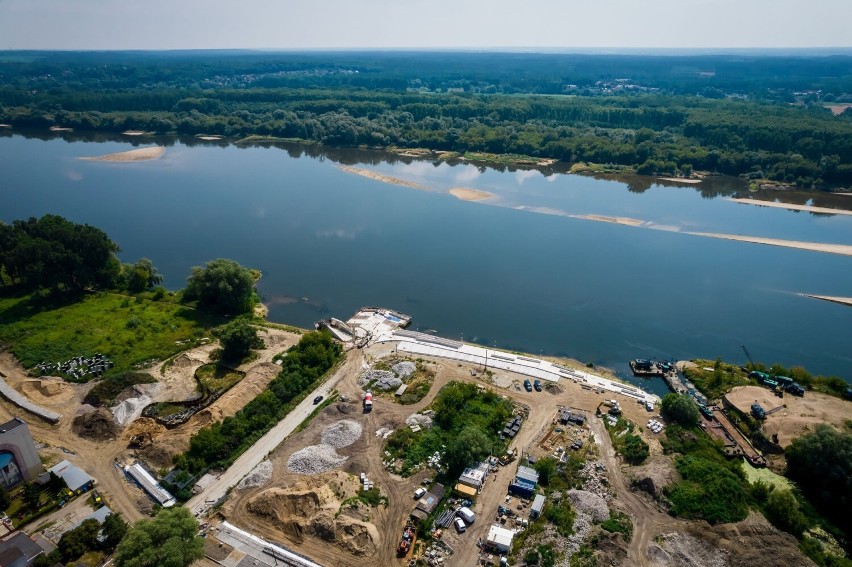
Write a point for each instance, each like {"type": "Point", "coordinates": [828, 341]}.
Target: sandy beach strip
{"type": "Point", "coordinates": [381, 177]}
{"type": "Point", "coordinates": [791, 207]}
{"type": "Point", "coordinates": [467, 194]}
{"type": "Point", "coordinates": [133, 133]}
{"type": "Point", "coordinates": [141, 154]}
{"type": "Point", "coordinates": [680, 180]}
{"type": "Point", "coordinates": [843, 249]}
{"type": "Point", "coordinates": [209, 138]}
{"type": "Point", "coordinates": [627, 221]}
{"type": "Point", "coordinates": [831, 298]}
{"type": "Point", "coordinates": [60, 129]}
{"type": "Point", "coordinates": [5, 125]}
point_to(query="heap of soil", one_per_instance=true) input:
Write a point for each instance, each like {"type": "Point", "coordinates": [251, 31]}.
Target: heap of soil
{"type": "Point", "coordinates": [309, 508]}
{"type": "Point", "coordinates": [97, 425]}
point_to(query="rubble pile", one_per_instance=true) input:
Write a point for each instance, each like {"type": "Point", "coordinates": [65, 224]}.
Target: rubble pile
{"type": "Point", "coordinates": [424, 421]}
{"type": "Point", "coordinates": [341, 434]}
{"type": "Point", "coordinates": [404, 369]}
{"type": "Point", "coordinates": [259, 475]}
{"type": "Point", "coordinates": [596, 482]}
{"type": "Point", "coordinates": [79, 367]}
{"type": "Point", "coordinates": [315, 459]}
{"type": "Point", "coordinates": [590, 503]}
{"type": "Point", "coordinates": [383, 379]}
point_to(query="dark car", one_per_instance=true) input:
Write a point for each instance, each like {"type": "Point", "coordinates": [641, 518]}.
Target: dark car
{"type": "Point", "coordinates": [527, 385]}
{"type": "Point", "coordinates": [317, 400]}
{"type": "Point", "coordinates": [537, 385]}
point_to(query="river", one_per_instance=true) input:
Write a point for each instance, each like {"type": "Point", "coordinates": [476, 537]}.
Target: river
{"type": "Point", "coordinates": [517, 270]}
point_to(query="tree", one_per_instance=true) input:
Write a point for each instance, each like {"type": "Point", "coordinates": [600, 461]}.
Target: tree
{"type": "Point", "coordinates": [238, 338]}
{"type": "Point", "coordinates": [32, 495]}
{"type": "Point", "coordinates": [782, 509]}
{"type": "Point", "coordinates": [4, 499]}
{"type": "Point", "coordinates": [821, 464]}
{"type": "Point", "coordinates": [141, 276]}
{"type": "Point", "coordinates": [635, 449]}
{"type": "Point", "coordinates": [680, 408]}
{"type": "Point", "coordinates": [169, 540]}
{"type": "Point", "coordinates": [78, 541]}
{"type": "Point", "coordinates": [545, 468]}
{"type": "Point", "coordinates": [114, 530]}
{"type": "Point", "coordinates": [470, 446]}
{"type": "Point", "coordinates": [222, 286]}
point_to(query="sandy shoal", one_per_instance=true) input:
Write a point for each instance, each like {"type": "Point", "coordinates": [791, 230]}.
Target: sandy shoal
{"type": "Point", "coordinates": [843, 249]}
{"type": "Point", "coordinates": [381, 177]}
{"type": "Point", "coordinates": [5, 125]}
{"type": "Point", "coordinates": [60, 129]}
{"type": "Point", "coordinates": [466, 194]}
{"type": "Point", "coordinates": [627, 221]}
{"type": "Point", "coordinates": [133, 133]}
{"type": "Point", "coordinates": [680, 180]}
{"type": "Point", "coordinates": [831, 298]}
{"type": "Point", "coordinates": [209, 138]}
{"type": "Point", "coordinates": [141, 154]}
{"type": "Point", "coordinates": [792, 207]}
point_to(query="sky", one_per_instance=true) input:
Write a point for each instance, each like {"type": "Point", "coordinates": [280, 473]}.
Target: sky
{"type": "Point", "coordinates": [466, 24]}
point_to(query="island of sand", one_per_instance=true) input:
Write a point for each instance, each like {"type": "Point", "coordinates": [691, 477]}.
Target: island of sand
{"type": "Point", "coordinates": [792, 207]}
{"type": "Point", "coordinates": [467, 194]}
{"type": "Point", "coordinates": [830, 298]}
{"type": "Point", "coordinates": [381, 177]}
{"type": "Point", "coordinates": [141, 154]}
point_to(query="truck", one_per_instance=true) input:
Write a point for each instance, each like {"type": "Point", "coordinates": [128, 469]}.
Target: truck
{"type": "Point", "coordinates": [368, 401]}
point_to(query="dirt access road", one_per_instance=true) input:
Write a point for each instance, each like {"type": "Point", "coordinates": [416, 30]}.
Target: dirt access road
{"type": "Point", "coordinates": [266, 444]}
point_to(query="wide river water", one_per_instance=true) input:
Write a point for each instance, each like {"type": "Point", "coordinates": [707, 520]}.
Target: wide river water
{"type": "Point", "coordinates": [513, 271]}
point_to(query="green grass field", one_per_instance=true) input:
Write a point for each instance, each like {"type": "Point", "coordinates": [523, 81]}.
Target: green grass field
{"type": "Point", "coordinates": [218, 379]}
{"type": "Point", "coordinates": [130, 331]}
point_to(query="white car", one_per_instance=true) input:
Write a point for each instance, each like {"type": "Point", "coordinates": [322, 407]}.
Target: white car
{"type": "Point", "coordinates": [460, 525]}
{"type": "Point", "coordinates": [419, 493]}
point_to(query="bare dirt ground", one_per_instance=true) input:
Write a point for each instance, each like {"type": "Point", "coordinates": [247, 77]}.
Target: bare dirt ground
{"type": "Point", "coordinates": [800, 414]}
{"type": "Point", "coordinates": [99, 458]}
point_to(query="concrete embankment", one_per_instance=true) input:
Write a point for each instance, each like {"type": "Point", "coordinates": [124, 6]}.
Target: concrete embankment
{"type": "Point", "coordinates": [19, 400]}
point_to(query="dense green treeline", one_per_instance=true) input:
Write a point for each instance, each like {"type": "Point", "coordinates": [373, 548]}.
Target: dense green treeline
{"type": "Point", "coordinates": [660, 130]}
{"type": "Point", "coordinates": [219, 444]}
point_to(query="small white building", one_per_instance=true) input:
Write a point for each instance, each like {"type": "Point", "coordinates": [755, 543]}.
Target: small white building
{"type": "Point", "coordinates": [537, 506]}
{"type": "Point", "coordinates": [150, 485]}
{"type": "Point", "coordinates": [500, 539]}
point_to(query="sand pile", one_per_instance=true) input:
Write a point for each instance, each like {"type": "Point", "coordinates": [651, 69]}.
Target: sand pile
{"type": "Point", "coordinates": [315, 459]}
{"type": "Point", "coordinates": [97, 425]}
{"type": "Point", "coordinates": [682, 550]}
{"type": "Point", "coordinates": [341, 434]}
{"type": "Point", "coordinates": [130, 409]}
{"type": "Point", "coordinates": [260, 475]}
{"type": "Point", "coordinates": [47, 391]}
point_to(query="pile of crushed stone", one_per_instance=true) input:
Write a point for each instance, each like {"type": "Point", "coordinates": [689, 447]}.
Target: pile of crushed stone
{"type": "Point", "coordinates": [315, 459]}
{"type": "Point", "coordinates": [259, 475]}
{"type": "Point", "coordinates": [341, 434]}
{"type": "Point", "coordinates": [404, 369]}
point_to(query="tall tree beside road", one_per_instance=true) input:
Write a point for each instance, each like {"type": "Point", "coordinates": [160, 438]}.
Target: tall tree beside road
{"type": "Point", "coordinates": [222, 286]}
{"type": "Point", "coordinates": [169, 540]}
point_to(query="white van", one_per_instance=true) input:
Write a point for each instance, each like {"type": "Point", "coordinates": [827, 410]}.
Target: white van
{"type": "Point", "coordinates": [460, 526]}
{"type": "Point", "coordinates": [466, 514]}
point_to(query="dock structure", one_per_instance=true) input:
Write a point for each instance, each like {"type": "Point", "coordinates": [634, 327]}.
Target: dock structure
{"type": "Point", "coordinates": [429, 345]}
{"type": "Point", "coordinates": [748, 451]}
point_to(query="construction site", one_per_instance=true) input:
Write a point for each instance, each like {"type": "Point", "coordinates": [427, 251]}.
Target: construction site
{"type": "Point", "coordinates": [323, 490]}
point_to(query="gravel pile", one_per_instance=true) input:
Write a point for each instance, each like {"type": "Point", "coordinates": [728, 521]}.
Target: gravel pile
{"type": "Point", "coordinates": [590, 503]}
{"type": "Point", "coordinates": [341, 434]}
{"type": "Point", "coordinates": [595, 480]}
{"type": "Point", "coordinates": [404, 369]}
{"type": "Point", "coordinates": [259, 475]}
{"type": "Point", "coordinates": [422, 420]}
{"type": "Point", "coordinates": [315, 459]}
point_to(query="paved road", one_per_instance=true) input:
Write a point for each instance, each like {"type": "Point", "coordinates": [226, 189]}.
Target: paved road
{"type": "Point", "coordinates": [201, 502]}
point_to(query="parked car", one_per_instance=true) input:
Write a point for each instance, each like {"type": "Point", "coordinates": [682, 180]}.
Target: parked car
{"type": "Point", "coordinates": [419, 493]}
{"type": "Point", "coordinates": [460, 525]}
{"type": "Point", "coordinates": [527, 385]}
{"type": "Point", "coordinates": [537, 385]}
{"type": "Point", "coordinates": [317, 400]}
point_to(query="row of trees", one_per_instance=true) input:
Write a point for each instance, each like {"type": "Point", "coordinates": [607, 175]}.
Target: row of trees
{"type": "Point", "coordinates": [220, 443]}
{"type": "Point", "coordinates": [654, 134]}
{"type": "Point", "coordinates": [52, 252]}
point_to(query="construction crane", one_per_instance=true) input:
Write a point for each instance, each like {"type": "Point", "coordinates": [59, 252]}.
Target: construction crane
{"type": "Point", "coordinates": [745, 350]}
